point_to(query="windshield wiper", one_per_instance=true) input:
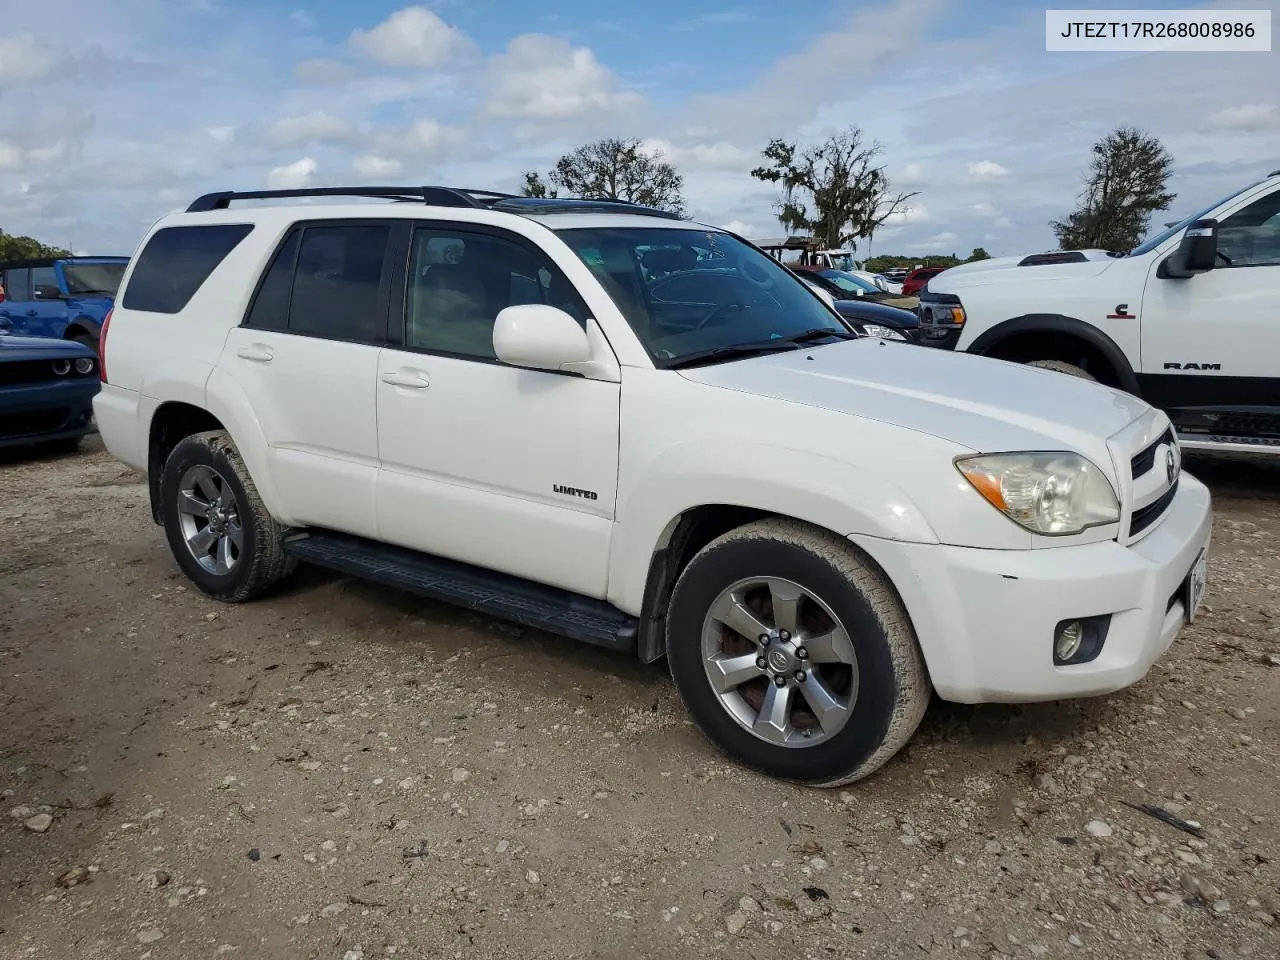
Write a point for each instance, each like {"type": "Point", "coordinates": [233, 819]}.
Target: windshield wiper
{"type": "Point", "coordinates": [817, 333]}
{"type": "Point", "coordinates": [735, 351]}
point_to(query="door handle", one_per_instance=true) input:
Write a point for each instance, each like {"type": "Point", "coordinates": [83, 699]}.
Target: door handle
{"type": "Point", "coordinates": [404, 378]}
{"type": "Point", "coordinates": [257, 352]}
{"type": "Point", "coordinates": [31, 313]}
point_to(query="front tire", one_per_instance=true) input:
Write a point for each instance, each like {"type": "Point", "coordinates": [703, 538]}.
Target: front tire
{"type": "Point", "coordinates": [218, 529]}
{"type": "Point", "coordinates": [1061, 366]}
{"type": "Point", "coordinates": [794, 655]}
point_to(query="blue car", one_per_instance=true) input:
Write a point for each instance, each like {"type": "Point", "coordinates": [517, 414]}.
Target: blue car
{"type": "Point", "coordinates": [64, 297]}
{"type": "Point", "coordinates": [46, 392]}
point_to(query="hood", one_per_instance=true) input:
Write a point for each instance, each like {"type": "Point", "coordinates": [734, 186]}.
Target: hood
{"type": "Point", "coordinates": [1072, 264]}
{"type": "Point", "coordinates": [39, 348]}
{"type": "Point", "coordinates": [868, 311]}
{"type": "Point", "coordinates": [988, 406]}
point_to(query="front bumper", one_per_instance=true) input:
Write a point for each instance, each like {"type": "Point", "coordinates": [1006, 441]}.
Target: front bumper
{"type": "Point", "coordinates": [985, 618]}
{"type": "Point", "coordinates": [47, 411]}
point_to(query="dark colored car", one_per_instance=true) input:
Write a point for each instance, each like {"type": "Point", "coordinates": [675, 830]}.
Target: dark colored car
{"type": "Point", "coordinates": [916, 280]}
{"type": "Point", "coordinates": [46, 391]}
{"type": "Point", "coordinates": [880, 320]}
{"type": "Point", "coordinates": [63, 297]}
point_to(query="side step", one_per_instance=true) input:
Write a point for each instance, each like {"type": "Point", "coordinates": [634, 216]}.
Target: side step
{"type": "Point", "coordinates": [486, 591]}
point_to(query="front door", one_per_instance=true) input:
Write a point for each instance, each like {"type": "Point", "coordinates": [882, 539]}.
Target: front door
{"type": "Point", "coordinates": [1207, 341]}
{"type": "Point", "coordinates": [47, 309]}
{"type": "Point", "coordinates": [306, 359]}
{"type": "Point", "coordinates": [506, 468]}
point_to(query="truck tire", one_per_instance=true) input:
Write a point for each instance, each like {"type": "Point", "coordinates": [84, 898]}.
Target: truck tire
{"type": "Point", "coordinates": [1061, 366]}
{"type": "Point", "coordinates": [220, 533]}
{"type": "Point", "coordinates": [794, 655]}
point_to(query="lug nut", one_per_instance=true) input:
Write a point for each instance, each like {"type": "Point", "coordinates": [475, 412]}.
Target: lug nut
{"type": "Point", "coordinates": [802, 653]}
{"type": "Point", "coordinates": [761, 662]}
{"type": "Point", "coordinates": [782, 634]}
{"type": "Point", "coordinates": [800, 676]}
{"type": "Point", "coordinates": [764, 638]}
{"type": "Point", "coordinates": [780, 681]}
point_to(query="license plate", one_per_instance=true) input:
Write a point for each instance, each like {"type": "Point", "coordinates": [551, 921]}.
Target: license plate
{"type": "Point", "coordinates": [1195, 586]}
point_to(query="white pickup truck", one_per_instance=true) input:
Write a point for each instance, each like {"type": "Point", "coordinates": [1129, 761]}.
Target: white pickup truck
{"type": "Point", "coordinates": [1188, 320]}
{"type": "Point", "coordinates": [492, 401]}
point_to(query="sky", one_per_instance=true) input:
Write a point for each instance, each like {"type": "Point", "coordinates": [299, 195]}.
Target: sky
{"type": "Point", "coordinates": [112, 115]}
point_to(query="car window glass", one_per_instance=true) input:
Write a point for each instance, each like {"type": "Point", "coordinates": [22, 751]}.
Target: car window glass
{"type": "Point", "coordinates": [17, 284]}
{"type": "Point", "coordinates": [270, 310]}
{"type": "Point", "coordinates": [459, 282]}
{"type": "Point", "coordinates": [42, 277]}
{"type": "Point", "coordinates": [176, 262]}
{"type": "Point", "coordinates": [1251, 237]}
{"type": "Point", "coordinates": [338, 282]}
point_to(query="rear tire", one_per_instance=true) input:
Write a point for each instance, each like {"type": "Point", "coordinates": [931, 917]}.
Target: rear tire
{"type": "Point", "coordinates": [88, 340]}
{"type": "Point", "coordinates": [218, 529]}
{"type": "Point", "coordinates": [854, 684]}
{"type": "Point", "coordinates": [1061, 366]}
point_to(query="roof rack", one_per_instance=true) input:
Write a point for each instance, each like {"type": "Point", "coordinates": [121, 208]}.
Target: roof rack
{"type": "Point", "coordinates": [435, 196]}
{"type": "Point", "coordinates": [537, 205]}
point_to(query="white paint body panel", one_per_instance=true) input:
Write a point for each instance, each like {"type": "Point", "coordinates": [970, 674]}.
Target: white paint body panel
{"type": "Point", "coordinates": [490, 464]}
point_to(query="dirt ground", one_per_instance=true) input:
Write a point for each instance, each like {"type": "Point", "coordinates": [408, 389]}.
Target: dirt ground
{"type": "Point", "coordinates": [341, 771]}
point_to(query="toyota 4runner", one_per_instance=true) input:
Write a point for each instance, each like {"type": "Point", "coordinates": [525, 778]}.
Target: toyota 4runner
{"type": "Point", "coordinates": [489, 400]}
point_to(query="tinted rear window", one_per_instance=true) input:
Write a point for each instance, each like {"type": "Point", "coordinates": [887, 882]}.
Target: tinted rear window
{"type": "Point", "coordinates": [176, 261]}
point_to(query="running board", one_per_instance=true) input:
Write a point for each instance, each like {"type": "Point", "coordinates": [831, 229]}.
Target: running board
{"type": "Point", "coordinates": [498, 594]}
{"type": "Point", "coordinates": [1229, 444]}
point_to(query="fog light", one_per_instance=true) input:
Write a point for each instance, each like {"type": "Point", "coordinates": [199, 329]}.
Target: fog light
{"type": "Point", "coordinates": [1067, 643]}
{"type": "Point", "coordinates": [1079, 641]}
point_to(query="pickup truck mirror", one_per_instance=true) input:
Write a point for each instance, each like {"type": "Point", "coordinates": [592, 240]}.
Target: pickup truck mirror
{"type": "Point", "coordinates": [47, 291]}
{"type": "Point", "coordinates": [540, 337]}
{"type": "Point", "coordinates": [1197, 252]}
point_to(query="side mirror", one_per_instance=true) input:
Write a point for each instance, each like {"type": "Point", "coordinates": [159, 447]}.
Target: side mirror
{"type": "Point", "coordinates": [540, 337]}
{"type": "Point", "coordinates": [47, 291]}
{"type": "Point", "coordinates": [1197, 253]}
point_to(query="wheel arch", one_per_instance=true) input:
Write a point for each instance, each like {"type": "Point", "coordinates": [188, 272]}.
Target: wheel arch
{"type": "Point", "coordinates": [1009, 340]}
{"type": "Point", "coordinates": [82, 324]}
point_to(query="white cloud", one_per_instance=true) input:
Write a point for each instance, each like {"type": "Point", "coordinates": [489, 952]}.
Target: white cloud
{"type": "Point", "coordinates": [939, 241]}
{"type": "Point", "coordinates": [371, 167]}
{"type": "Point", "coordinates": [987, 170]}
{"type": "Point", "coordinates": [910, 213]}
{"type": "Point", "coordinates": [292, 176]}
{"type": "Point", "coordinates": [1251, 116]}
{"type": "Point", "coordinates": [222, 134]}
{"type": "Point", "coordinates": [24, 58]}
{"type": "Point", "coordinates": [912, 175]}
{"type": "Point", "coordinates": [412, 37]}
{"type": "Point", "coordinates": [302, 19]}
{"type": "Point", "coordinates": [10, 157]}
{"type": "Point", "coordinates": [314, 127]}
{"type": "Point", "coordinates": [545, 78]}
{"type": "Point", "coordinates": [747, 230]}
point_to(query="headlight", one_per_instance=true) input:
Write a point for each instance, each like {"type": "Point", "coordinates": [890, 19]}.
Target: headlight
{"type": "Point", "coordinates": [1047, 493]}
{"type": "Point", "coordinates": [61, 367]}
{"type": "Point", "coordinates": [84, 366]}
{"type": "Point", "coordinates": [884, 333]}
{"type": "Point", "coordinates": [945, 314]}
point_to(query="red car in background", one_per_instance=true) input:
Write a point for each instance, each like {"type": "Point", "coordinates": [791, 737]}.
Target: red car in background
{"type": "Point", "coordinates": [916, 280]}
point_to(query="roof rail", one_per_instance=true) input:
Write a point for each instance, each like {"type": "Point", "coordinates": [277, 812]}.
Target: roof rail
{"type": "Point", "coordinates": [1273, 173]}
{"type": "Point", "coordinates": [435, 196]}
{"type": "Point", "coordinates": [537, 205]}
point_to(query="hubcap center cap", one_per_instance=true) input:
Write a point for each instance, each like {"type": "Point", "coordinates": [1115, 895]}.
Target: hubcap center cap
{"type": "Point", "coordinates": [782, 659]}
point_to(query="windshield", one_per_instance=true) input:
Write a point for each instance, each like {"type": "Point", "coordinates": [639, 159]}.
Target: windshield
{"type": "Point", "coordinates": [850, 282]}
{"type": "Point", "coordinates": [705, 290]}
{"type": "Point", "coordinates": [89, 278]}
{"type": "Point", "coordinates": [1148, 245]}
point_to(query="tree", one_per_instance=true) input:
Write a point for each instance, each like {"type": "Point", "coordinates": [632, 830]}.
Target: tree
{"type": "Point", "coordinates": [1125, 185]}
{"type": "Point", "coordinates": [834, 191]}
{"type": "Point", "coordinates": [26, 248]}
{"type": "Point", "coordinates": [612, 169]}
{"type": "Point", "coordinates": [978, 254]}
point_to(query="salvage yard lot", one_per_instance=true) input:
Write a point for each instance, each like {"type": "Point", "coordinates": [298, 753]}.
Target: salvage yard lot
{"type": "Point", "coordinates": [342, 771]}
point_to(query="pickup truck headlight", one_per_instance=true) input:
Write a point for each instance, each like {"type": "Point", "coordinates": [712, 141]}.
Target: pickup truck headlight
{"type": "Point", "coordinates": [1054, 494]}
{"type": "Point", "coordinates": [883, 332]}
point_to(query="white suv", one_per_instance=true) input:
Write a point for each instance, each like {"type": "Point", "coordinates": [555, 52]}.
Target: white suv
{"type": "Point", "coordinates": [644, 433]}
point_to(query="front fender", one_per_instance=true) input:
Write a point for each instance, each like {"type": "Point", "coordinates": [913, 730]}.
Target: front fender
{"type": "Point", "coordinates": [986, 341]}
{"type": "Point", "coordinates": [833, 494]}
{"type": "Point", "coordinates": [224, 398]}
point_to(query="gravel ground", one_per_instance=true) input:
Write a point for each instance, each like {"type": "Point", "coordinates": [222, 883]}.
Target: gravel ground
{"type": "Point", "coordinates": [343, 771]}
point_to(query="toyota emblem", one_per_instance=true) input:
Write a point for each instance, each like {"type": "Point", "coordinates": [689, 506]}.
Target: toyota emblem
{"type": "Point", "coordinates": [1171, 464]}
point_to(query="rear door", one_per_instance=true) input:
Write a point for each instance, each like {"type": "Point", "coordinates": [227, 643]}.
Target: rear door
{"type": "Point", "coordinates": [306, 356]}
